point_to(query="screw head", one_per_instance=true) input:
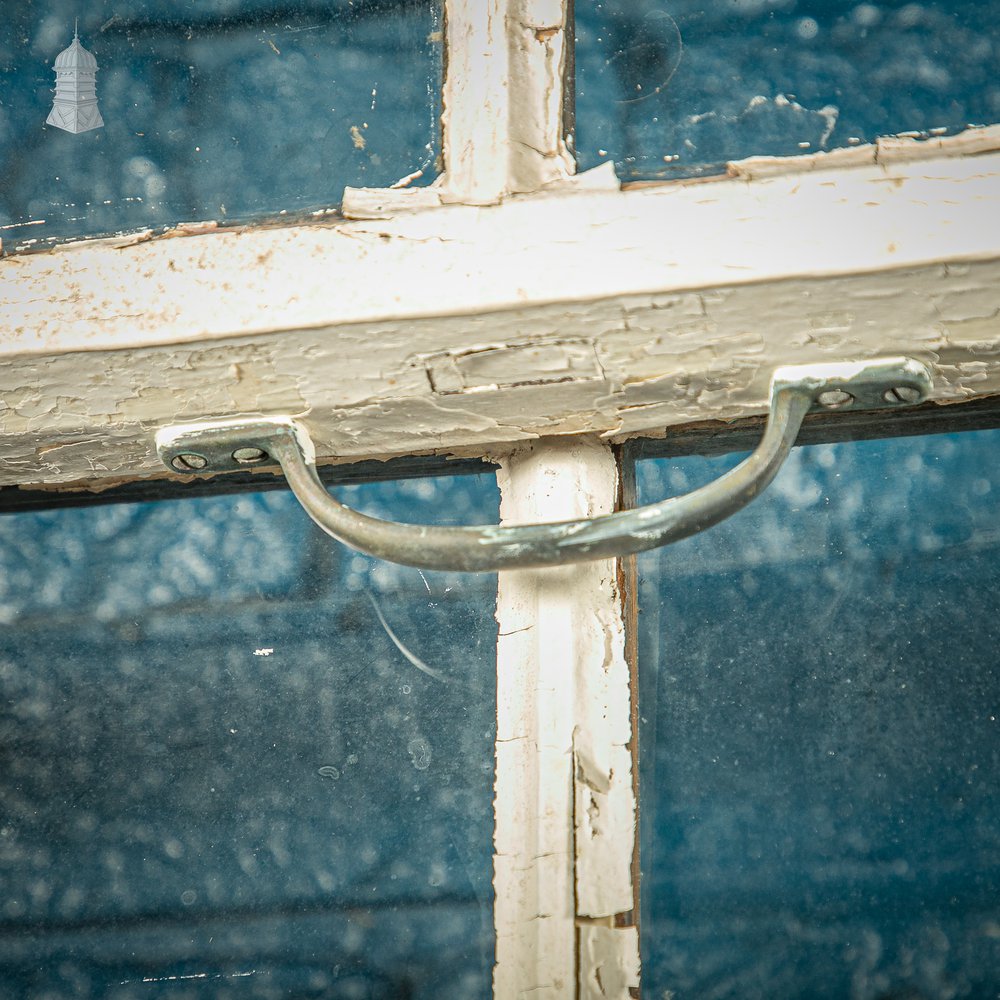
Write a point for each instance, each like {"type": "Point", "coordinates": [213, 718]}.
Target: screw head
{"type": "Point", "coordinates": [834, 399]}
{"type": "Point", "coordinates": [904, 394]}
{"type": "Point", "coordinates": [249, 456]}
{"type": "Point", "coordinates": [189, 462]}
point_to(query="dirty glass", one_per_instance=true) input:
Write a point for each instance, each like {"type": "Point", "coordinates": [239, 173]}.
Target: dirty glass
{"type": "Point", "coordinates": [170, 111]}
{"type": "Point", "coordinates": [238, 760]}
{"type": "Point", "coordinates": [675, 89]}
{"type": "Point", "coordinates": [820, 730]}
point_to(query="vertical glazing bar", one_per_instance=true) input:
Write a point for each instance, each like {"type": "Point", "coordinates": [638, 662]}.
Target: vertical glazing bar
{"type": "Point", "coordinates": [565, 805]}
{"type": "Point", "coordinates": [539, 46]}
{"type": "Point", "coordinates": [475, 102]}
{"type": "Point", "coordinates": [564, 798]}
{"type": "Point", "coordinates": [503, 98]}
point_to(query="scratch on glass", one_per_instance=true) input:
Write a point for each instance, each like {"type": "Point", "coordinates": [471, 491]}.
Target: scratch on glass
{"type": "Point", "coordinates": [18, 225]}
{"type": "Point", "coordinates": [673, 69]}
{"type": "Point", "coordinates": [195, 975]}
{"type": "Point", "coordinates": [412, 657]}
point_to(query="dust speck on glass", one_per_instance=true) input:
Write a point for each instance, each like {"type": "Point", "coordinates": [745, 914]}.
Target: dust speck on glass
{"type": "Point", "coordinates": [116, 117]}
{"type": "Point", "coordinates": [675, 88]}
{"type": "Point", "coordinates": [239, 760]}
{"type": "Point", "coordinates": [820, 730]}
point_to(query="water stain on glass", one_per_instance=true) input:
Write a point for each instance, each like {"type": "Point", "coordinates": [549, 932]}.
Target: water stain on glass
{"type": "Point", "coordinates": [203, 110]}
{"type": "Point", "coordinates": [420, 753]}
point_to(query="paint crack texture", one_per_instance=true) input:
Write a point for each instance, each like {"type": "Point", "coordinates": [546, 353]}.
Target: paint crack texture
{"type": "Point", "coordinates": [564, 803]}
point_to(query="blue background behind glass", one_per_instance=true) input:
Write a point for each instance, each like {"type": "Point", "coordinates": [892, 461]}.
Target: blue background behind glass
{"type": "Point", "coordinates": [820, 730]}
{"type": "Point", "coordinates": [675, 89]}
{"type": "Point", "coordinates": [219, 775]}
{"type": "Point", "coordinates": [213, 110]}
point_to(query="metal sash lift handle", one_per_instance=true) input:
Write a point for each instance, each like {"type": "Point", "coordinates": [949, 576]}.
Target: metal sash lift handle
{"type": "Point", "coordinates": [226, 445]}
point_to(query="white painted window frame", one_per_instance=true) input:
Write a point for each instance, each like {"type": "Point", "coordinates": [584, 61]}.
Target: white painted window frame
{"type": "Point", "coordinates": [518, 312]}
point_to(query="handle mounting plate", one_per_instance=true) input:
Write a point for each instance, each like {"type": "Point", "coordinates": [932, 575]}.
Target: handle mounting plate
{"type": "Point", "coordinates": [884, 383]}
{"type": "Point", "coordinates": [237, 444]}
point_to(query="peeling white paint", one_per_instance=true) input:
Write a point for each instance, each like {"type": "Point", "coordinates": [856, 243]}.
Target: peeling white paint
{"type": "Point", "coordinates": [461, 260]}
{"type": "Point", "coordinates": [461, 329]}
{"type": "Point", "coordinates": [635, 364]}
{"type": "Point", "coordinates": [502, 99]}
{"type": "Point", "coordinates": [609, 966]}
{"type": "Point", "coordinates": [511, 365]}
{"type": "Point", "coordinates": [564, 801]}
{"type": "Point", "coordinates": [884, 151]}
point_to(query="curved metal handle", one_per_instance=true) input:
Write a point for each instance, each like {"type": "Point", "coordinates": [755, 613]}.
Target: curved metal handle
{"type": "Point", "coordinates": [225, 445]}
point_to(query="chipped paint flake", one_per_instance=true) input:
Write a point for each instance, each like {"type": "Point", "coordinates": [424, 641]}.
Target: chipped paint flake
{"type": "Point", "coordinates": [508, 366]}
{"type": "Point", "coordinates": [609, 966]}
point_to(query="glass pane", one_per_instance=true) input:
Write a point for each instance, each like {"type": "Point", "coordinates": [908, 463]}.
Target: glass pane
{"type": "Point", "coordinates": [238, 760]}
{"type": "Point", "coordinates": [820, 736]}
{"type": "Point", "coordinates": [677, 89]}
{"type": "Point", "coordinates": [167, 111]}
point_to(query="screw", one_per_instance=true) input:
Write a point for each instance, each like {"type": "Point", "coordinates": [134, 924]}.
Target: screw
{"type": "Point", "coordinates": [189, 462]}
{"type": "Point", "coordinates": [833, 399]}
{"type": "Point", "coordinates": [249, 456]}
{"type": "Point", "coordinates": [902, 394]}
